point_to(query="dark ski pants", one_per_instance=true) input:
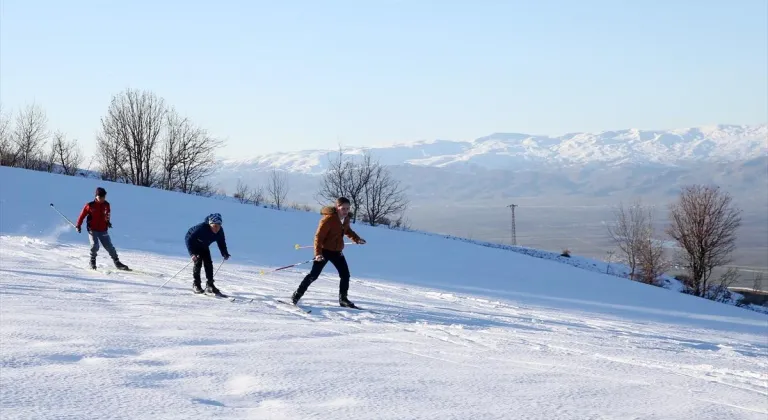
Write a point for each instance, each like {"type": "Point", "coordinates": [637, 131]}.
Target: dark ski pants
{"type": "Point", "coordinates": [203, 260]}
{"type": "Point", "coordinates": [95, 237]}
{"type": "Point", "coordinates": [337, 259]}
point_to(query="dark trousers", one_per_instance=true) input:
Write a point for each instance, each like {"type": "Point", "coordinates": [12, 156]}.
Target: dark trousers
{"type": "Point", "coordinates": [337, 259]}
{"type": "Point", "coordinates": [203, 259]}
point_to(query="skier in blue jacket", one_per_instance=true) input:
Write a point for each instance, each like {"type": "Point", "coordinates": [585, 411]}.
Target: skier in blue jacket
{"type": "Point", "coordinates": [198, 239]}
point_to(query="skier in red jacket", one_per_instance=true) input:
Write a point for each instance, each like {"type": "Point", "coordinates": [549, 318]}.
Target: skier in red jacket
{"type": "Point", "coordinates": [97, 223]}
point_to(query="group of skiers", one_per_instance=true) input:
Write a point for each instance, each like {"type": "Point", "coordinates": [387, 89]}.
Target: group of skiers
{"type": "Point", "coordinates": [328, 244]}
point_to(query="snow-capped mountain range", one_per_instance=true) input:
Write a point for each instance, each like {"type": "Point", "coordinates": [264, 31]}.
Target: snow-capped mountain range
{"type": "Point", "coordinates": [514, 151]}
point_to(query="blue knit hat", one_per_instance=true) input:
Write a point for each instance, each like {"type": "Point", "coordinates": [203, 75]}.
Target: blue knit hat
{"type": "Point", "coordinates": [214, 218]}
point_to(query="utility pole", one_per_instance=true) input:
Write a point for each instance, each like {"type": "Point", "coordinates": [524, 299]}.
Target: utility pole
{"type": "Point", "coordinates": [514, 234]}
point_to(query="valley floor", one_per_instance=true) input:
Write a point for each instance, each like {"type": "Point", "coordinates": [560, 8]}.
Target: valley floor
{"type": "Point", "coordinates": [104, 344]}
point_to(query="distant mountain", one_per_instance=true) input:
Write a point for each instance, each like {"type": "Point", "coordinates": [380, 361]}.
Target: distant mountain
{"type": "Point", "coordinates": [515, 152]}
{"type": "Point", "coordinates": [580, 168]}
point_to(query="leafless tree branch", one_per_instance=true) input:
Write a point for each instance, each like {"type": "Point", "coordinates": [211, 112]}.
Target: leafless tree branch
{"type": "Point", "coordinates": [30, 135]}
{"type": "Point", "coordinates": [7, 146]}
{"type": "Point", "coordinates": [703, 222]}
{"type": "Point", "coordinates": [277, 188]}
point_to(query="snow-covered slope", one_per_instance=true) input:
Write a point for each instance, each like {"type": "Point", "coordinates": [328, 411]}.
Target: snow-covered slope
{"type": "Point", "coordinates": [459, 330]}
{"type": "Point", "coordinates": [512, 151]}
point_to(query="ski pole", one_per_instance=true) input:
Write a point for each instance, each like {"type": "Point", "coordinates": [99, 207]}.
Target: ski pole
{"type": "Point", "coordinates": [166, 282]}
{"type": "Point", "coordinates": [288, 266]}
{"type": "Point", "coordinates": [297, 246]}
{"type": "Point", "coordinates": [65, 217]}
{"type": "Point", "coordinates": [217, 269]}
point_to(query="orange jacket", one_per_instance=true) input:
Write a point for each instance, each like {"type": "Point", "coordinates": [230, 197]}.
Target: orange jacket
{"type": "Point", "coordinates": [330, 231]}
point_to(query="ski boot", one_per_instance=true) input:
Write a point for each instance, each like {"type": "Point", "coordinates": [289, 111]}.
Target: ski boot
{"type": "Point", "coordinates": [344, 302]}
{"type": "Point", "coordinates": [295, 297]}
{"type": "Point", "coordinates": [121, 266]}
{"type": "Point", "coordinates": [93, 263]}
{"type": "Point", "coordinates": [196, 287]}
{"type": "Point", "coordinates": [210, 289]}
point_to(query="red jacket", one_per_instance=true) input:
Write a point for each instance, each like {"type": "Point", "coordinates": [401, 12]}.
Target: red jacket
{"type": "Point", "coordinates": [98, 216]}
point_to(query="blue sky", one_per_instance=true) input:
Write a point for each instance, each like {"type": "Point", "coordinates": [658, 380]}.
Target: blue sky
{"type": "Point", "coordinates": [290, 75]}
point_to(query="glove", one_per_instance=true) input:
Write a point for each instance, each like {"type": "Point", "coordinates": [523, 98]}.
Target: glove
{"type": "Point", "coordinates": [226, 257]}
{"type": "Point", "coordinates": [194, 258]}
{"type": "Point", "coordinates": [78, 229]}
{"type": "Point", "coordinates": [361, 241]}
{"type": "Point", "coordinates": [109, 225]}
{"type": "Point", "coordinates": [319, 258]}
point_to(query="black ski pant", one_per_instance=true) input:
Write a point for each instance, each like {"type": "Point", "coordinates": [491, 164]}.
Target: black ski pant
{"type": "Point", "coordinates": [203, 260]}
{"type": "Point", "coordinates": [337, 259]}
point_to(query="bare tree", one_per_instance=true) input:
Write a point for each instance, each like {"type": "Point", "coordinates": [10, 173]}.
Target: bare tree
{"type": "Point", "coordinates": [757, 283]}
{"type": "Point", "coordinates": [134, 123]}
{"type": "Point", "coordinates": [30, 135]}
{"type": "Point", "coordinates": [111, 157]}
{"type": "Point", "coordinates": [198, 160]}
{"type": "Point", "coordinates": [242, 192]}
{"type": "Point", "coordinates": [346, 178]}
{"type": "Point", "coordinates": [257, 196]}
{"type": "Point", "coordinates": [357, 178]}
{"type": "Point", "coordinates": [277, 188]}
{"type": "Point", "coordinates": [171, 156]}
{"type": "Point", "coordinates": [66, 154]}
{"type": "Point", "coordinates": [703, 222]}
{"type": "Point", "coordinates": [652, 261]}
{"type": "Point", "coordinates": [382, 195]}
{"type": "Point", "coordinates": [720, 292]}
{"type": "Point", "coordinates": [7, 147]}
{"type": "Point", "coordinates": [247, 195]}
{"type": "Point", "coordinates": [630, 232]}
{"type": "Point", "coordinates": [333, 182]}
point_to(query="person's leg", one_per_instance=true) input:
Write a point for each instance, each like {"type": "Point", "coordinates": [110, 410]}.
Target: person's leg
{"type": "Point", "coordinates": [340, 262]}
{"type": "Point", "coordinates": [205, 255]}
{"type": "Point", "coordinates": [94, 248]}
{"type": "Point", "coordinates": [317, 268]}
{"type": "Point", "coordinates": [107, 242]}
{"type": "Point", "coordinates": [196, 281]}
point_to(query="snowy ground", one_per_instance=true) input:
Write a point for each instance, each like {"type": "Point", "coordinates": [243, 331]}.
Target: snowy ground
{"type": "Point", "coordinates": [79, 344]}
{"type": "Point", "coordinates": [488, 334]}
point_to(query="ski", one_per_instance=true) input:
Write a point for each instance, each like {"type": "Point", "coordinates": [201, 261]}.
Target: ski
{"type": "Point", "coordinates": [360, 309]}
{"type": "Point", "coordinates": [233, 299]}
{"type": "Point", "coordinates": [295, 306]}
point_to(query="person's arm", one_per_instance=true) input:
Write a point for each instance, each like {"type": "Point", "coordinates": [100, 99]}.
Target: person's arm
{"type": "Point", "coordinates": [320, 234]}
{"type": "Point", "coordinates": [108, 215]}
{"type": "Point", "coordinates": [351, 234]}
{"type": "Point", "coordinates": [82, 216]}
{"type": "Point", "coordinates": [222, 242]}
{"type": "Point", "coordinates": [192, 236]}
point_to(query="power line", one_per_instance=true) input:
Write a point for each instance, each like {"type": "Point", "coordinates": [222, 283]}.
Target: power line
{"type": "Point", "coordinates": [513, 233]}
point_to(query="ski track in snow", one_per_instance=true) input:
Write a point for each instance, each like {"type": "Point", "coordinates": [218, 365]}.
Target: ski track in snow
{"type": "Point", "coordinates": [78, 343]}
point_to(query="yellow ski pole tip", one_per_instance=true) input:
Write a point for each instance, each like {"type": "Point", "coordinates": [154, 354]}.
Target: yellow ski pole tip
{"type": "Point", "coordinates": [261, 272]}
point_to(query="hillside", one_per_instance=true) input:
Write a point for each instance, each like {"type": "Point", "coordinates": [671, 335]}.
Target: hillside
{"type": "Point", "coordinates": [457, 330]}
